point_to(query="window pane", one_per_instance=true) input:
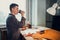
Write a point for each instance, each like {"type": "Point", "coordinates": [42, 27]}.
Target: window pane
{"type": "Point", "coordinates": [4, 8]}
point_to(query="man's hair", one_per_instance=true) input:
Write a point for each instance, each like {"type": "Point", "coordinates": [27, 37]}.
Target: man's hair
{"type": "Point", "coordinates": [12, 6]}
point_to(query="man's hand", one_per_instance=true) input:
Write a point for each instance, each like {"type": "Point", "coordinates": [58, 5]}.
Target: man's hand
{"type": "Point", "coordinates": [22, 13]}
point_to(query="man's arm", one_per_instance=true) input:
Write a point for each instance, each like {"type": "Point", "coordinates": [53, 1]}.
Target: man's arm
{"type": "Point", "coordinates": [14, 23]}
{"type": "Point", "coordinates": [23, 18]}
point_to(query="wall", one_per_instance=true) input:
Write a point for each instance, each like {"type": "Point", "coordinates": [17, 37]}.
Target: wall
{"type": "Point", "coordinates": [41, 12]}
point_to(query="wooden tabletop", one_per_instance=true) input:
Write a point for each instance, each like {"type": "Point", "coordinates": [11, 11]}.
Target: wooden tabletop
{"type": "Point", "coordinates": [48, 34]}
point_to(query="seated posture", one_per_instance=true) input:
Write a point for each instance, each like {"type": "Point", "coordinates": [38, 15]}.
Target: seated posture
{"type": "Point", "coordinates": [13, 24]}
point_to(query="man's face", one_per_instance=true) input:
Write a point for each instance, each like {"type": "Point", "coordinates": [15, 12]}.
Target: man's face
{"type": "Point", "coordinates": [15, 10]}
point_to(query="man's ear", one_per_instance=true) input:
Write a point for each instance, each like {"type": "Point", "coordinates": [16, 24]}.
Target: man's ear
{"type": "Point", "coordinates": [12, 9]}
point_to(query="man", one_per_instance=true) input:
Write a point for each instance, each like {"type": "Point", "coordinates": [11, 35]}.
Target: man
{"type": "Point", "coordinates": [13, 24]}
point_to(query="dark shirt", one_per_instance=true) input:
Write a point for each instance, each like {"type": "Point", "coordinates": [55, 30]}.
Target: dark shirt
{"type": "Point", "coordinates": [13, 24]}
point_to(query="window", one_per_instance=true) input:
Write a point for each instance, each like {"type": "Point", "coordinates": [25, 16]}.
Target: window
{"type": "Point", "coordinates": [37, 12]}
{"type": "Point", "coordinates": [4, 8]}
